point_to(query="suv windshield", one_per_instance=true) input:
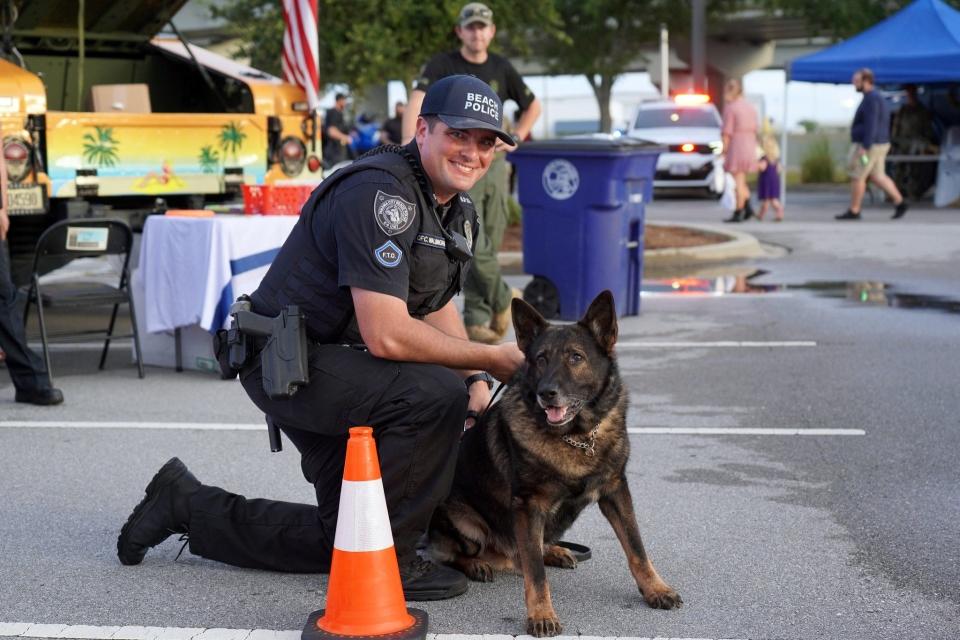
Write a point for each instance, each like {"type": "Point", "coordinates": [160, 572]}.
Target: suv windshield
{"type": "Point", "coordinates": [676, 117]}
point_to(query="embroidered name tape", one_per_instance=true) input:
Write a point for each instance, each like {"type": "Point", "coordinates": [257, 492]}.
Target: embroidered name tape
{"type": "Point", "coordinates": [431, 241]}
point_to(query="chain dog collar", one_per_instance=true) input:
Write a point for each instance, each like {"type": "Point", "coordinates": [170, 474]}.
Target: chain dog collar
{"type": "Point", "coordinates": [589, 446]}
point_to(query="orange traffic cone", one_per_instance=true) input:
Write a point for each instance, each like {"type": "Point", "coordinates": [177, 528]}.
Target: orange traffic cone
{"type": "Point", "coordinates": [364, 594]}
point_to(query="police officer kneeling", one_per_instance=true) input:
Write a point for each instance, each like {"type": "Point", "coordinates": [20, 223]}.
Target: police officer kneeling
{"type": "Point", "coordinates": [379, 251]}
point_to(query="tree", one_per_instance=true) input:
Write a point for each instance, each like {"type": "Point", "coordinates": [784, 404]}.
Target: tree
{"type": "Point", "coordinates": [368, 42]}
{"type": "Point", "coordinates": [839, 19]}
{"type": "Point", "coordinates": [602, 38]}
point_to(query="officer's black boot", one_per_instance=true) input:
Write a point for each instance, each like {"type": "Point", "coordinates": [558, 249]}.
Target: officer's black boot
{"type": "Point", "coordinates": [426, 580]}
{"type": "Point", "coordinates": [737, 215]}
{"type": "Point", "coordinates": [164, 510]}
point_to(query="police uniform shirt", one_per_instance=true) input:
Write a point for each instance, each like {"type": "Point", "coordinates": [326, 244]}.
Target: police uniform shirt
{"type": "Point", "coordinates": [496, 71]}
{"type": "Point", "coordinates": [371, 231]}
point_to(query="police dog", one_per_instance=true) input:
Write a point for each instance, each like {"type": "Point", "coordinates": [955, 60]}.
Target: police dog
{"type": "Point", "coordinates": [555, 444]}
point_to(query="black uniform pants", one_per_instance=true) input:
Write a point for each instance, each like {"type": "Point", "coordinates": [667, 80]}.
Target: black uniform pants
{"type": "Point", "coordinates": [417, 413]}
{"type": "Point", "coordinates": [26, 368]}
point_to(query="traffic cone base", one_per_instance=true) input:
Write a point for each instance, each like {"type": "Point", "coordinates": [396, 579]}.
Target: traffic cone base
{"type": "Point", "coordinates": [417, 631]}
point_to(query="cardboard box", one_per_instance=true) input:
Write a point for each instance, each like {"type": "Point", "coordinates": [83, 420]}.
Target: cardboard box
{"type": "Point", "coordinates": [125, 98]}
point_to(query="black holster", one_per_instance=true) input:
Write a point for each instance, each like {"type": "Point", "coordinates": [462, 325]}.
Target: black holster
{"type": "Point", "coordinates": [281, 343]}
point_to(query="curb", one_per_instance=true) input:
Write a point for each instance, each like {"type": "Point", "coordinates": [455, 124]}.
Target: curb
{"type": "Point", "coordinates": [740, 246]}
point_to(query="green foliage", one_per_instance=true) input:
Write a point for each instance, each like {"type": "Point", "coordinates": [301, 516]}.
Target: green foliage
{"type": "Point", "coordinates": [208, 159]}
{"type": "Point", "coordinates": [809, 126]}
{"type": "Point", "coordinates": [100, 149]}
{"type": "Point", "coordinates": [231, 140]}
{"type": "Point", "coordinates": [514, 211]}
{"type": "Point", "coordinates": [368, 42]}
{"type": "Point", "coordinates": [839, 19]}
{"type": "Point", "coordinates": [817, 164]}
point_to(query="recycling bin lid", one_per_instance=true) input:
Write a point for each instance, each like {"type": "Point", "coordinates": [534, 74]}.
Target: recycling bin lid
{"type": "Point", "coordinates": [601, 143]}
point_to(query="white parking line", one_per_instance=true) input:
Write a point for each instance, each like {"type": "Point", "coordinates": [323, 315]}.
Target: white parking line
{"type": "Point", "coordinates": [742, 431]}
{"type": "Point", "coordinates": [65, 424]}
{"type": "Point", "coordinates": [716, 344]}
{"type": "Point", "coordinates": [244, 426]}
{"type": "Point", "coordinates": [85, 632]}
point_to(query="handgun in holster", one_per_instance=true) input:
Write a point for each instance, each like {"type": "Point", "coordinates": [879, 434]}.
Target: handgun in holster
{"type": "Point", "coordinates": [281, 343]}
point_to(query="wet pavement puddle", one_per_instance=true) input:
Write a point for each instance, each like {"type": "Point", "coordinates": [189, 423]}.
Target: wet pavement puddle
{"type": "Point", "coordinates": [878, 294]}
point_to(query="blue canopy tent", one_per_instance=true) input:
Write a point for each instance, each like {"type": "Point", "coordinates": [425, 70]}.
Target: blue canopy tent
{"type": "Point", "coordinates": [920, 44]}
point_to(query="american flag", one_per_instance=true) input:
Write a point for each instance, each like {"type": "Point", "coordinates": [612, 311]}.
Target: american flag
{"type": "Point", "coordinates": [301, 53]}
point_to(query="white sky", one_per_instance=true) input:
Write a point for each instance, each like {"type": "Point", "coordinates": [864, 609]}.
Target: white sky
{"type": "Point", "coordinates": [570, 98]}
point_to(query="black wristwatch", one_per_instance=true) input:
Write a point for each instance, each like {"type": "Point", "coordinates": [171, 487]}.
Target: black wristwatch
{"type": "Point", "coordinates": [477, 377]}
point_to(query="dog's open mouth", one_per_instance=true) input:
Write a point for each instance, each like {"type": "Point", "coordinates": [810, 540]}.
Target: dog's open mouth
{"type": "Point", "coordinates": [561, 414]}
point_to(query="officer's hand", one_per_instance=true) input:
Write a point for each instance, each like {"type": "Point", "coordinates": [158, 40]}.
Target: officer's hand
{"type": "Point", "coordinates": [509, 359]}
{"type": "Point", "coordinates": [479, 399]}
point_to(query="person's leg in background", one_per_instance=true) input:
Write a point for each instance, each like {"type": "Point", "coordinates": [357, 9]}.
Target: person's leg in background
{"type": "Point", "coordinates": [27, 369]}
{"type": "Point", "coordinates": [486, 296]}
{"type": "Point", "coordinates": [879, 177]}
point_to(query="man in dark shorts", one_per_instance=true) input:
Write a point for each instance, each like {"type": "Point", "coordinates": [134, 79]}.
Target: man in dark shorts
{"type": "Point", "coordinates": [486, 308]}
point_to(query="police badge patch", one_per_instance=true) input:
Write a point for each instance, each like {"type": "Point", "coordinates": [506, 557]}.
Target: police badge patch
{"type": "Point", "coordinates": [468, 232]}
{"type": "Point", "coordinates": [394, 214]}
{"type": "Point", "coordinates": [388, 254]}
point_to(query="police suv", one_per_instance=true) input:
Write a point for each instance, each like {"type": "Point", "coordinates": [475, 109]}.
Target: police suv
{"type": "Point", "coordinates": [690, 127]}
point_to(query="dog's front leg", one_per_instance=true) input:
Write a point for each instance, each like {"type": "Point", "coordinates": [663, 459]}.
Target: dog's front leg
{"type": "Point", "coordinates": [617, 506]}
{"type": "Point", "coordinates": [528, 523]}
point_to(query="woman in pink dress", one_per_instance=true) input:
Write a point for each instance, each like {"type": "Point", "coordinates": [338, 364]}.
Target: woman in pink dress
{"type": "Point", "coordinates": [739, 144]}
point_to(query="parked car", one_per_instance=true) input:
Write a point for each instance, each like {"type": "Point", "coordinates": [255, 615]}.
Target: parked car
{"type": "Point", "coordinates": [690, 128]}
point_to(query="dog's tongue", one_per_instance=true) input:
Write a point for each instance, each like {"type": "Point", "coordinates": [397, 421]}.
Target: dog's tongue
{"type": "Point", "coordinates": [556, 414]}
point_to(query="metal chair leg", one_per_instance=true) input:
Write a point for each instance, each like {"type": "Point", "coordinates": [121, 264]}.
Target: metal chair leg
{"type": "Point", "coordinates": [106, 343]}
{"type": "Point", "coordinates": [43, 333]}
{"type": "Point", "coordinates": [136, 333]}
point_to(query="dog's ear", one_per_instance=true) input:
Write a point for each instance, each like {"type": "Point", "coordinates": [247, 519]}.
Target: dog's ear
{"type": "Point", "coordinates": [601, 320]}
{"type": "Point", "coordinates": [527, 322]}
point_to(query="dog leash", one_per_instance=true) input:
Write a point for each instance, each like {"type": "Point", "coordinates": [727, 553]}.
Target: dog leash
{"type": "Point", "coordinates": [475, 414]}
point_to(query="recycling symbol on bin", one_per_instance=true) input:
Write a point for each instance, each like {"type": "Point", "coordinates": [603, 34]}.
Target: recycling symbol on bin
{"type": "Point", "coordinates": [560, 179]}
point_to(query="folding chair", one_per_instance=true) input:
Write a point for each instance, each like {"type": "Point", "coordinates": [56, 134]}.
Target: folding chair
{"type": "Point", "coordinates": [63, 243]}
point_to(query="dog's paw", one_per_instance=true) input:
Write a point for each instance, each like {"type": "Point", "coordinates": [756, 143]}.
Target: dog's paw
{"type": "Point", "coordinates": [544, 627]}
{"type": "Point", "coordinates": [665, 598]}
{"type": "Point", "coordinates": [479, 571]}
{"type": "Point", "coordinates": [557, 556]}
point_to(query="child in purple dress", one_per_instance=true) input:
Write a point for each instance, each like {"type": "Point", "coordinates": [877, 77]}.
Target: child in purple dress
{"type": "Point", "coordinates": [768, 180]}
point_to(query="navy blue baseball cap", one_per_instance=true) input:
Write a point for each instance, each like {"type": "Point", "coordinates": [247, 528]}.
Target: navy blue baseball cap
{"type": "Point", "coordinates": [466, 102]}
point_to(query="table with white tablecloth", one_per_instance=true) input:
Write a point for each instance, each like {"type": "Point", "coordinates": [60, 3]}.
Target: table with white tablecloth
{"type": "Point", "coordinates": [190, 271]}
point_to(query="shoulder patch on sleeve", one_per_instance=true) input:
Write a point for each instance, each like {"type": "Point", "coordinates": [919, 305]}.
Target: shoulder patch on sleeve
{"type": "Point", "coordinates": [394, 215]}
{"type": "Point", "coordinates": [388, 254]}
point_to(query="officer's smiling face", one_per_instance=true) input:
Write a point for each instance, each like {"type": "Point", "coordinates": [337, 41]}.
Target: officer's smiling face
{"type": "Point", "coordinates": [454, 158]}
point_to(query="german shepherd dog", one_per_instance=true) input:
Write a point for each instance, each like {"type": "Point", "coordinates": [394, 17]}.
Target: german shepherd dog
{"type": "Point", "coordinates": [555, 444]}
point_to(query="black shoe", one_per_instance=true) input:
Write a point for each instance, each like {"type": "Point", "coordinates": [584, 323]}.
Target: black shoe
{"type": "Point", "coordinates": [899, 210]}
{"type": "Point", "coordinates": [747, 211]}
{"type": "Point", "coordinates": [162, 512]}
{"type": "Point", "coordinates": [736, 216]}
{"type": "Point", "coordinates": [849, 215]}
{"type": "Point", "coordinates": [46, 397]}
{"type": "Point", "coordinates": [425, 580]}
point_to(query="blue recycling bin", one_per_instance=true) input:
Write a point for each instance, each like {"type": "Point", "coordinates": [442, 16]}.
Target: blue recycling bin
{"type": "Point", "coordinates": [583, 211]}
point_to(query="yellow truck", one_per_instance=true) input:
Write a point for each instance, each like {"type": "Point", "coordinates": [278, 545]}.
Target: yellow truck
{"type": "Point", "coordinates": [109, 118]}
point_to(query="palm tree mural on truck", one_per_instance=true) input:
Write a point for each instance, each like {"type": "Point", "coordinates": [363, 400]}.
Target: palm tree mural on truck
{"type": "Point", "coordinates": [231, 140]}
{"type": "Point", "coordinates": [209, 159]}
{"type": "Point", "coordinates": [100, 149]}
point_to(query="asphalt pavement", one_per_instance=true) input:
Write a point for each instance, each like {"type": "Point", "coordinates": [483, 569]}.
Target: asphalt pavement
{"type": "Point", "coordinates": [794, 430]}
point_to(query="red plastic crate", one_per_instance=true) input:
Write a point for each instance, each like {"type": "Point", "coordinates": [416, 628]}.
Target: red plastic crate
{"type": "Point", "coordinates": [253, 198]}
{"type": "Point", "coordinates": [284, 199]}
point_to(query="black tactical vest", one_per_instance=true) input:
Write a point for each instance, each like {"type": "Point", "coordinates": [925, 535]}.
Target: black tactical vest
{"type": "Point", "coordinates": [301, 274]}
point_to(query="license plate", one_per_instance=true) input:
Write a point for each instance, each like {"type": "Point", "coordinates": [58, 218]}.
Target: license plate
{"type": "Point", "coordinates": [679, 170]}
{"type": "Point", "coordinates": [25, 200]}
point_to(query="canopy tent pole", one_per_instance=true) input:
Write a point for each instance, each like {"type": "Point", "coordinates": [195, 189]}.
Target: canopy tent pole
{"type": "Point", "coordinates": [783, 140]}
